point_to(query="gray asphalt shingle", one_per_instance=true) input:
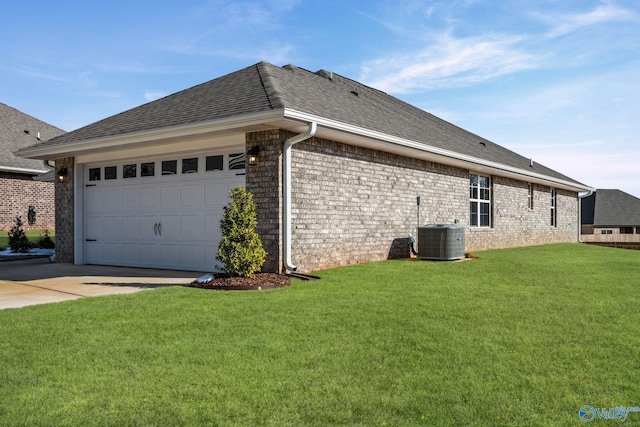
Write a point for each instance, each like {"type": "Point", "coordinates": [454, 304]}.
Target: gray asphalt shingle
{"type": "Point", "coordinates": [613, 208]}
{"type": "Point", "coordinates": [264, 87]}
{"type": "Point", "coordinates": [13, 124]}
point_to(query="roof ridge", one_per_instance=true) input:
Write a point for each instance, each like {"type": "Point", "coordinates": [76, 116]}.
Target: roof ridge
{"type": "Point", "coordinates": [272, 88]}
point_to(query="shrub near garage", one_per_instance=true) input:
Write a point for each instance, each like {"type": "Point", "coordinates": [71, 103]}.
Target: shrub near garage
{"type": "Point", "coordinates": [240, 248]}
{"type": "Point", "coordinates": [18, 241]}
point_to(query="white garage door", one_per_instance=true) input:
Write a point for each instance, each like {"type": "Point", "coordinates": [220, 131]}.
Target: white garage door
{"type": "Point", "coordinates": [162, 213]}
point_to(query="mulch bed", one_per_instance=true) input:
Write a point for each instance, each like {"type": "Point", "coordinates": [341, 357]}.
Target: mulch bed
{"type": "Point", "coordinates": [259, 281]}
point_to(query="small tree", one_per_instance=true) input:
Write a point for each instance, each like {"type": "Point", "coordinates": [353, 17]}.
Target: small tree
{"type": "Point", "coordinates": [18, 241]}
{"type": "Point", "coordinates": [240, 249]}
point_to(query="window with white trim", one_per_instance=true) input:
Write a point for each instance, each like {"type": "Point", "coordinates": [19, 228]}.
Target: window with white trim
{"type": "Point", "coordinates": [480, 200]}
{"type": "Point", "coordinates": [530, 196]}
{"type": "Point", "coordinates": [554, 218]}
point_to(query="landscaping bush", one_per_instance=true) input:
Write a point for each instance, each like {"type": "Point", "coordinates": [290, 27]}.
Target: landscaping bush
{"type": "Point", "coordinates": [18, 241]}
{"type": "Point", "coordinates": [46, 242]}
{"type": "Point", "coordinates": [240, 249]}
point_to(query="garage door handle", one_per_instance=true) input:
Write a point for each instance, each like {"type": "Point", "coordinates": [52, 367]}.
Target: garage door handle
{"type": "Point", "coordinates": [160, 228]}
{"type": "Point", "coordinates": [90, 240]}
{"type": "Point", "coordinates": [155, 228]}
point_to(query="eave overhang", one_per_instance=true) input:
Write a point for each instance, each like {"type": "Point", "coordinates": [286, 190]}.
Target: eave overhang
{"type": "Point", "coordinates": [297, 121]}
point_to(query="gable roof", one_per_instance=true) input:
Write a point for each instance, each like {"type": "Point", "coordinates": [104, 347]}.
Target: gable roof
{"type": "Point", "coordinates": [611, 208]}
{"type": "Point", "coordinates": [267, 95]}
{"type": "Point", "coordinates": [19, 130]}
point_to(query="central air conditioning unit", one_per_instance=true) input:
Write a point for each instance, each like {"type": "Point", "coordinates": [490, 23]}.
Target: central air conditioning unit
{"type": "Point", "coordinates": [444, 242]}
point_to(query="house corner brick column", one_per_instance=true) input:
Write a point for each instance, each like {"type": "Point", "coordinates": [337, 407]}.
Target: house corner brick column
{"type": "Point", "coordinates": [64, 212]}
{"type": "Point", "coordinates": [264, 181]}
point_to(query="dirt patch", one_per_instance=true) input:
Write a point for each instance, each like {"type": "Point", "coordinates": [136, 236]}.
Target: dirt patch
{"type": "Point", "coordinates": [259, 281]}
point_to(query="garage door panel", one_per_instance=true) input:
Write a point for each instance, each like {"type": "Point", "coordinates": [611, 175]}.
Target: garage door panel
{"type": "Point", "coordinates": [170, 196]}
{"type": "Point", "coordinates": [212, 225]}
{"type": "Point", "coordinates": [130, 198]}
{"type": "Point", "coordinates": [216, 194]}
{"type": "Point", "coordinates": [161, 221]}
{"type": "Point", "coordinates": [192, 256]}
{"type": "Point", "coordinates": [112, 199]}
{"type": "Point", "coordinates": [149, 197]}
{"type": "Point", "coordinates": [192, 227]}
{"type": "Point", "coordinates": [131, 252]}
{"type": "Point", "coordinates": [170, 255]}
{"type": "Point", "coordinates": [113, 226]}
{"type": "Point", "coordinates": [131, 226]}
{"type": "Point", "coordinates": [192, 194]}
{"type": "Point", "coordinates": [94, 201]}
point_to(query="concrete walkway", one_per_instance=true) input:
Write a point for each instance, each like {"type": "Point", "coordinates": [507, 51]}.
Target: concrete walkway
{"type": "Point", "coordinates": [37, 281]}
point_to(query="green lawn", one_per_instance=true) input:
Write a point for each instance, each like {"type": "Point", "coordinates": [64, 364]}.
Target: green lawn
{"type": "Point", "coordinates": [33, 235]}
{"type": "Point", "coordinates": [517, 337]}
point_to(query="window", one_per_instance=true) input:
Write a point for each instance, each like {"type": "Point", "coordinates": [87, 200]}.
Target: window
{"type": "Point", "coordinates": [214, 163]}
{"type": "Point", "coordinates": [129, 171]}
{"type": "Point", "coordinates": [480, 200]}
{"type": "Point", "coordinates": [190, 165]}
{"type": "Point", "coordinates": [606, 231]}
{"type": "Point", "coordinates": [626, 230]}
{"type": "Point", "coordinates": [554, 218]}
{"type": "Point", "coordinates": [111, 172]}
{"type": "Point", "coordinates": [94, 174]}
{"type": "Point", "coordinates": [236, 161]}
{"type": "Point", "coordinates": [169, 167]}
{"type": "Point", "coordinates": [148, 169]}
{"type": "Point", "coordinates": [530, 196]}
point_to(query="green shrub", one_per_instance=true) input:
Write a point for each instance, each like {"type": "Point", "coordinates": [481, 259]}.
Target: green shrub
{"type": "Point", "coordinates": [240, 248]}
{"type": "Point", "coordinates": [18, 241]}
{"type": "Point", "coordinates": [45, 241]}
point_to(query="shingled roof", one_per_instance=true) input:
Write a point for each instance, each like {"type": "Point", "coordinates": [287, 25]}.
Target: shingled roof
{"type": "Point", "coordinates": [19, 130]}
{"type": "Point", "coordinates": [611, 208]}
{"type": "Point", "coordinates": [264, 87]}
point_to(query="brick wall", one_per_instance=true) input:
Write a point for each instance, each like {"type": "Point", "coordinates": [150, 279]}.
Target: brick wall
{"type": "Point", "coordinates": [17, 193]}
{"type": "Point", "coordinates": [264, 181]}
{"type": "Point", "coordinates": [64, 212]}
{"type": "Point", "coordinates": [353, 205]}
{"type": "Point", "coordinates": [514, 224]}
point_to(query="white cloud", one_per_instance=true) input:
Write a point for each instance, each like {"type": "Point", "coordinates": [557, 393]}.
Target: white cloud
{"type": "Point", "coordinates": [449, 62]}
{"type": "Point", "coordinates": [604, 13]}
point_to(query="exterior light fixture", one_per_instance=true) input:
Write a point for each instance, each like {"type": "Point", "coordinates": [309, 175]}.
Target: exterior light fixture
{"type": "Point", "coordinates": [252, 155]}
{"type": "Point", "coordinates": [61, 176]}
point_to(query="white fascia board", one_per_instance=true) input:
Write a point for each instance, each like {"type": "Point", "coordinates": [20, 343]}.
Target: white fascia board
{"type": "Point", "coordinates": [159, 134]}
{"type": "Point", "coordinates": [438, 154]}
{"type": "Point", "coordinates": [23, 170]}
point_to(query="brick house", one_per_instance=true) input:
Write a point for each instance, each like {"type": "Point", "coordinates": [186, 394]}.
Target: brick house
{"type": "Point", "coordinates": [18, 188]}
{"type": "Point", "coordinates": [611, 217]}
{"type": "Point", "coordinates": [335, 168]}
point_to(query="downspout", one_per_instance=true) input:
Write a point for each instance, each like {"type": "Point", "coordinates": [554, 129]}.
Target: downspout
{"type": "Point", "coordinates": [286, 184]}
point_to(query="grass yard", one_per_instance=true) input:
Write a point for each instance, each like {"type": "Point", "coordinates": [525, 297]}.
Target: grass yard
{"type": "Point", "coordinates": [33, 235]}
{"type": "Point", "coordinates": [517, 337]}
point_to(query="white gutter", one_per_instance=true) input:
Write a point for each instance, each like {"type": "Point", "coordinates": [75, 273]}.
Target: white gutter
{"type": "Point", "coordinates": [286, 184]}
{"type": "Point", "coordinates": [470, 162]}
{"type": "Point", "coordinates": [23, 170]}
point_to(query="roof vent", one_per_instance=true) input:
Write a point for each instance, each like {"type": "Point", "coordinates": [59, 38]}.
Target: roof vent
{"type": "Point", "coordinates": [484, 144]}
{"type": "Point", "coordinates": [355, 93]}
{"type": "Point", "coordinates": [530, 162]}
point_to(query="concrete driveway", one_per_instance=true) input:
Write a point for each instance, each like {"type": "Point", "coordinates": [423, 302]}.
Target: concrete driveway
{"type": "Point", "coordinates": [37, 281]}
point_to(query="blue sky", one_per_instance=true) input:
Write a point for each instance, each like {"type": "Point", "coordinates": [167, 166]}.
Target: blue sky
{"type": "Point", "coordinates": [557, 81]}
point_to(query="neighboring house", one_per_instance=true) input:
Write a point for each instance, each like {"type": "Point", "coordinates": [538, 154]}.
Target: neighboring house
{"type": "Point", "coordinates": [18, 189]}
{"type": "Point", "coordinates": [335, 168]}
{"type": "Point", "coordinates": [610, 216]}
